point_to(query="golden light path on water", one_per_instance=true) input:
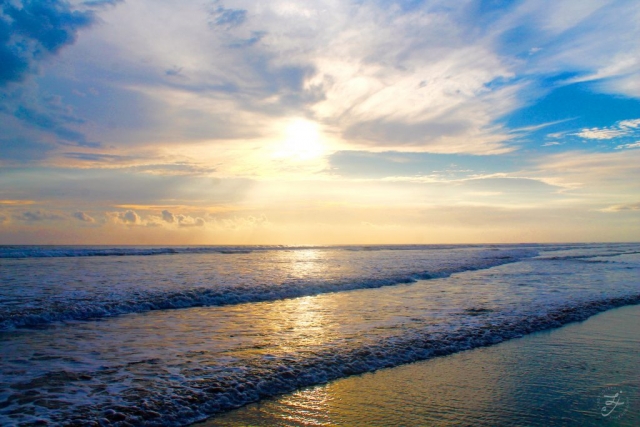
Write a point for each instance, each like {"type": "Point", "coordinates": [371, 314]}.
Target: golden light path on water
{"type": "Point", "coordinates": [548, 378]}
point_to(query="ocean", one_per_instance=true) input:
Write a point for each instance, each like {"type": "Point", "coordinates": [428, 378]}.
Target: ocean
{"type": "Point", "coordinates": [169, 336]}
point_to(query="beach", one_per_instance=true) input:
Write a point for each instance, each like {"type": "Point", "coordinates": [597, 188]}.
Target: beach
{"type": "Point", "coordinates": [171, 336]}
{"type": "Point", "coordinates": [551, 378]}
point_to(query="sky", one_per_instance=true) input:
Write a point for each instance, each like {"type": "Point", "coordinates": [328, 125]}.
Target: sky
{"type": "Point", "coordinates": [319, 122]}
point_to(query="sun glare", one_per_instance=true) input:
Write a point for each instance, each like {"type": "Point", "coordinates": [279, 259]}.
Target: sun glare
{"type": "Point", "coordinates": [301, 141]}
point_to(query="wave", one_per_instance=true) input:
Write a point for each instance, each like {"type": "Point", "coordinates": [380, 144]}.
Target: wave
{"type": "Point", "coordinates": [587, 256]}
{"type": "Point", "coordinates": [67, 252]}
{"type": "Point", "coordinates": [142, 301]}
{"type": "Point", "coordinates": [209, 390]}
{"type": "Point", "coordinates": [13, 252]}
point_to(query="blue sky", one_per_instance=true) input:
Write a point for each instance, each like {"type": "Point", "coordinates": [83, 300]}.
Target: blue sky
{"type": "Point", "coordinates": [216, 122]}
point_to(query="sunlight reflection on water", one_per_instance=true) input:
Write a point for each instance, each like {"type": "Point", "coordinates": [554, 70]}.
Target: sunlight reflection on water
{"type": "Point", "coordinates": [548, 378]}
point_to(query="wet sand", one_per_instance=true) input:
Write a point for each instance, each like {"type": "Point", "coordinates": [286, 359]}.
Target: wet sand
{"type": "Point", "coordinates": [551, 378]}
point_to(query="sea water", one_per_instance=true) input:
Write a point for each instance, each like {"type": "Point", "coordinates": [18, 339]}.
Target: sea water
{"type": "Point", "coordinates": [173, 335]}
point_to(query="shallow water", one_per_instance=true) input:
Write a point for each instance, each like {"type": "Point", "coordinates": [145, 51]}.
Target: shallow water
{"type": "Point", "coordinates": [314, 314]}
{"type": "Point", "coordinates": [551, 378]}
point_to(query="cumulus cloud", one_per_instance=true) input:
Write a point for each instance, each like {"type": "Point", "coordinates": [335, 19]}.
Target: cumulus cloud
{"type": "Point", "coordinates": [168, 216]}
{"type": "Point", "coordinates": [32, 30]}
{"type": "Point", "coordinates": [182, 220]}
{"type": "Point", "coordinates": [168, 219]}
{"type": "Point", "coordinates": [188, 221]}
{"type": "Point", "coordinates": [83, 216]}
{"type": "Point", "coordinates": [128, 217]}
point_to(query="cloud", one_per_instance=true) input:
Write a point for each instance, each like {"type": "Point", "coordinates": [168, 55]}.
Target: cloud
{"type": "Point", "coordinates": [627, 146]}
{"type": "Point", "coordinates": [596, 41]}
{"type": "Point", "coordinates": [228, 18]}
{"type": "Point", "coordinates": [190, 94]}
{"type": "Point", "coordinates": [131, 218]}
{"type": "Point", "coordinates": [417, 75]}
{"type": "Point", "coordinates": [82, 216]}
{"type": "Point", "coordinates": [135, 164]}
{"type": "Point", "coordinates": [185, 169]}
{"type": "Point", "coordinates": [187, 221]}
{"type": "Point", "coordinates": [101, 3]}
{"type": "Point", "coordinates": [386, 86]}
{"type": "Point", "coordinates": [32, 30]}
{"type": "Point", "coordinates": [621, 128]}
{"type": "Point", "coordinates": [400, 133]}
{"type": "Point", "coordinates": [623, 207]}
{"type": "Point", "coordinates": [240, 223]}
{"type": "Point", "coordinates": [128, 217]}
{"type": "Point", "coordinates": [597, 178]}
{"type": "Point", "coordinates": [81, 187]}
{"type": "Point", "coordinates": [24, 150]}
{"type": "Point", "coordinates": [633, 124]}
{"type": "Point", "coordinates": [182, 220]}
{"type": "Point", "coordinates": [256, 37]}
{"type": "Point", "coordinates": [37, 123]}
{"type": "Point", "coordinates": [175, 71]}
{"type": "Point", "coordinates": [596, 133]}
{"type": "Point", "coordinates": [54, 123]}
{"type": "Point", "coordinates": [168, 216]}
{"type": "Point", "coordinates": [38, 215]}
{"type": "Point", "coordinates": [98, 157]}
{"type": "Point", "coordinates": [421, 78]}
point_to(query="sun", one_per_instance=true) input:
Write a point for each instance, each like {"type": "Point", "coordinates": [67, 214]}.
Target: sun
{"type": "Point", "coordinates": [301, 140]}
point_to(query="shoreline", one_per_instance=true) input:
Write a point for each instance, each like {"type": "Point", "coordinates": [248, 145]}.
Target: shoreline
{"type": "Point", "coordinates": [553, 377]}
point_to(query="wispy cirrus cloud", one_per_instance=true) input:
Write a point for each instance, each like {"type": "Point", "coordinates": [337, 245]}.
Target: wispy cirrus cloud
{"type": "Point", "coordinates": [422, 79]}
{"type": "Point", "coordinates": [623, 207]}
{"type": "Point", "coordinates": [591, 178]}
